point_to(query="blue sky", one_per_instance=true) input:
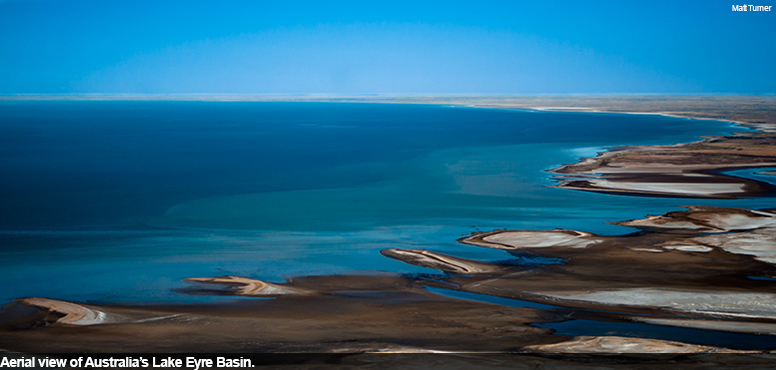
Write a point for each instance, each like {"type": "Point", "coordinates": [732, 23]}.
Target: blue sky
{"type": "Point", "coordinates": [373, 47]}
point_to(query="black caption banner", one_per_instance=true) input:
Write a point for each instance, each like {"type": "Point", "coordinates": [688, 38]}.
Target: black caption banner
{"type": "Point", "coordinates": [377, 361]}
{"type": "Point", "coordinates": [156, 360]}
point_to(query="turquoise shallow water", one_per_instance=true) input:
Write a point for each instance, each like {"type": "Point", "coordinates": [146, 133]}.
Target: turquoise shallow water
{"type": "Point", "coordinates": [113, 202]}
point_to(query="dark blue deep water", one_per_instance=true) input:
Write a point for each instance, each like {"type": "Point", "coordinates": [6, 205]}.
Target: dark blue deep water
{"type": "Point", "coordinates": [114, 202]}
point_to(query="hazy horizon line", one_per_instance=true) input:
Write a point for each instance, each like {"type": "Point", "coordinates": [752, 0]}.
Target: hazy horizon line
{"type": "Point", "coordinates": [171, 96]}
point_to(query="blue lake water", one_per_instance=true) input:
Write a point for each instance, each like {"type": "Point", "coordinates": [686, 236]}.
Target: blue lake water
{"type": "Point", "coordinates": [116, 202]}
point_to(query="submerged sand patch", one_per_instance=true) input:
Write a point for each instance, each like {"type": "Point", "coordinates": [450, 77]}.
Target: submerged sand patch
{"type": "Point", "coordinates": [689, 170]}
{"type": "Point", "coordinates": [705, 219]}
{"type": "Point", "coordinates": [245, 286]}
{"type": "Point", "coordinates": [721, 325]}
{"type": "Point", "coordinates": [759, 243]}
{"type": "Point", "coordinates": [503, 239]}
{"type": "Point", "coordinates": [424, 258]}
{"type": "Point", "coordinates": [706, 189]}
{"type": "Point", "coordinates": [71, 313]}
{"type": "Point", "coordinates": [615, 344]}
{"type": "Point", "coordinates": [722, 303]}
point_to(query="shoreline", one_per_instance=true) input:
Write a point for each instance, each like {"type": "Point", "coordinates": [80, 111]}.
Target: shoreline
{"type": "Point", "coordinates": [594, 101]}
{"type": "Point", "coordinates": [607, 181]}
{"type": "Point", "coordinates": [618, 276]}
